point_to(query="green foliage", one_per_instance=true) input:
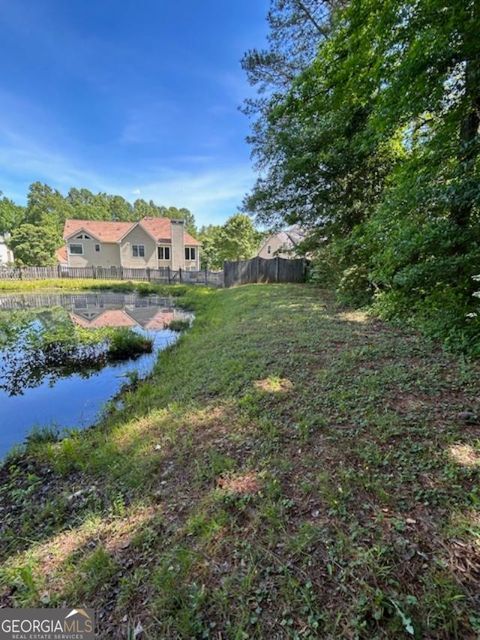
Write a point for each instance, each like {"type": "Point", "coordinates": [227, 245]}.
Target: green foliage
{"type": "Point", "coordinates": [179, 325]}
{"type": "Point", "coordinates": [45, 343]}
{"type": "Point", "coordinates": [374, 145]}
{"type": "Point", "coordinates": [11, 215]}
{"type": "Point", "coordinates": [125, 343]}
{"type": "Point", "coordinates": [211, 239]}
{"type": "Point", "coordinates": [237, 239]}
{"type": "Point", "coordinates": [35, 244]}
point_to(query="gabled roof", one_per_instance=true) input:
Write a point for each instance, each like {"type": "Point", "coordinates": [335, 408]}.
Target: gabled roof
{"type": "Point", "coordinates": [109, 231]}
{"type": "Point", "coordinates": [108, 318]}
{"type": "Point", "coordinates": [101, 229]}
{"type": "Point", "coordinates": [288, 238]}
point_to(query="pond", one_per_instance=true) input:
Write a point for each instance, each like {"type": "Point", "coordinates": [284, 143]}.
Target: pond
{"type": "Point", "coordinates": [57, 365]}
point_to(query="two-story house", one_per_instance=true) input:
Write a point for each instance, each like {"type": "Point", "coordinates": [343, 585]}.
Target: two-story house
{"type": "Point", "coordinates": [150, 242]}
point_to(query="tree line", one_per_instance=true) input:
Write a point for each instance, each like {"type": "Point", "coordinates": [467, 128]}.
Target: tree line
{"type": "Point", "coordinates": [36, 230]}
{"type": "Point", "coordinates": [366, 131]}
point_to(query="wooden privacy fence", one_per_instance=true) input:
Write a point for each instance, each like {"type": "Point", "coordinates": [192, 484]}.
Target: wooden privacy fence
{"type": "Point", "coordinates": [234, 273]}
{"type": "Point", "coordinates": [163, 275]}
{"type": "Point", "coordinates": [263, 270]}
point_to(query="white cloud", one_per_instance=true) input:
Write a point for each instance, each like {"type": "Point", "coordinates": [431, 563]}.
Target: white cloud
{"type": "Point", "coordinates": [204, 183]}
{"type": "Point", "coordinates": [212, 194]}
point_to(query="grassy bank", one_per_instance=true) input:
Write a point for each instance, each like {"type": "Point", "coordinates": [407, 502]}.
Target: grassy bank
{"type": "Point", "coordinates": [290, 471]}
{"type": "Point", "coordinates": [72, 284]}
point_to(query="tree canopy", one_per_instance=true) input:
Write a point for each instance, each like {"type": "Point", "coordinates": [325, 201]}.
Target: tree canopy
{"type": "Point", "coordinates": [237, 239]}
{"type": "Point", "coordinates": [11, 215]}
{"type": "Point", "coordinates": [373, 145]}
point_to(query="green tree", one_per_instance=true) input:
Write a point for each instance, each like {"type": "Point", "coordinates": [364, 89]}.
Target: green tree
{"type": "Point", "coordinates": [11, 215]}
{"type": "Point", "coordinates": [34, 245]}
{"type": "Point", "coordinates": [375, 146]}
{"type": "Point", "coordinates": [239, 239]}
{"type": "Point", "coordinates": [47, 206]}
{"type": "Point", "coordinates": [211, 239]}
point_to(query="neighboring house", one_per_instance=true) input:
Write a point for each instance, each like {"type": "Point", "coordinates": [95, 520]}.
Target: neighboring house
{"type": "Point", "coordinates": [150, 242]}
{"type": "Point", "coordinates": [282, 244]}
{"type": "Point", "coordinates": [6, 254]}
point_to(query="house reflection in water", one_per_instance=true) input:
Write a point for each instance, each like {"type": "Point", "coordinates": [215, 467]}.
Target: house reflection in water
{"type": "Point", "coordinates": [149, 313]}
{"type": "Point", "coordinates": [126, 318]}
{"type": "Point", "coordinates": [104, 309]}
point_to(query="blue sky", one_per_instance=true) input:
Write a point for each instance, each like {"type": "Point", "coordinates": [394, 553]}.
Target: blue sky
{"type": "Point", "coordinates": [136, 97]}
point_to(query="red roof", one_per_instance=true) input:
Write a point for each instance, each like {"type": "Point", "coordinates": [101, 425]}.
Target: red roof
{"type": "Point", "coordinates": [61, 255]}
{"type": "Point", "coordinates": [108, 318]}
{"type": "Point", "coordinates": [160, 320]}
{"type": "Point", "coordinates": [110, 231]}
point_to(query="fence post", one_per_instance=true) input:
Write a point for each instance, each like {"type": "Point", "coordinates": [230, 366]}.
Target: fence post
{"type": "Point", "coordinates": [180, 273]}
{"type": "Point", "coordinates": [59, 270]}
{"type": "Point", "coordinates": [169, 275]}
{"type": "Point", "coordinates": [276, 268]}
{"type": "Point", "coordinates": [148, 273]}
{"type": "Point", "coordinates": [94, 272]}
{"type": "Point", "coordinates": [20, 275]}
{"type": "Point", "coordinates": [121, 273]}
{"type": "Point", "coordinates": [206, 274]}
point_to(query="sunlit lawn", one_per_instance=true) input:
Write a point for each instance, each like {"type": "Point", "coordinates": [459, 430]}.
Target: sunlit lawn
{"type": "Point", "coordinates": [291, 470]}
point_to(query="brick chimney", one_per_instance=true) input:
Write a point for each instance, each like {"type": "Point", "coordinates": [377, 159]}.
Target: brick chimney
{"type": "Point", "coordinates": [178, 244]}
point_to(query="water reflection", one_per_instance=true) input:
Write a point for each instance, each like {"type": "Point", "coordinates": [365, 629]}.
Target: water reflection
{"type": "Point", "coordinates": [49, 376]}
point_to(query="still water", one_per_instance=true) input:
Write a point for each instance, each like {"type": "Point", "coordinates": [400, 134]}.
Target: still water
{"type": "Point", "coordinates": [38, 391]}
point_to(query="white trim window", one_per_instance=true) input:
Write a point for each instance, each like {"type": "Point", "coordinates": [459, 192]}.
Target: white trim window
{"type": "Point", "coordinates": [190, 253]}
{"type": "Point", "coordinates": [164, 253]}
{"type": "Point", "coordinates": [75, 249]}
{"type": "Point", "coordinates": [138, 250]}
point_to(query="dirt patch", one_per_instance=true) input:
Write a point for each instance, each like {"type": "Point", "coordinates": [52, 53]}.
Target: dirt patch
{"type": "Point", "coordinates": [246, 484]}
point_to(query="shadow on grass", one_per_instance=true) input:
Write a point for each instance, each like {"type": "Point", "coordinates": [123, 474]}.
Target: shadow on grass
{"type": "Point", "coordinates": [282, 453]}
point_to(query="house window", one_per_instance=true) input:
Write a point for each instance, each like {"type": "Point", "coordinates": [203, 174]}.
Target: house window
{"type": "Point", "coordinates": [189, 253]}
{"type": "Point", "coordinates": [269, 249]}
{"type": "Point", "coordinates": [97, 248]}
{"type": "Point", "coordinates": [164, 253]}
{"type": "Point", "coordinates": [76, 249]}
{"type": "Point", "coordinates": [138, 250]}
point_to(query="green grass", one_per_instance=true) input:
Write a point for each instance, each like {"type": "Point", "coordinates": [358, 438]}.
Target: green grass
{"type": "Point", "coordinates": [291, 470]}
{"type": "Point", "coordinates": [179, 325]}
{"type": "Point", "coordinates": [125, 343]}
{"type": "Point", "coordinates": [72, 284]}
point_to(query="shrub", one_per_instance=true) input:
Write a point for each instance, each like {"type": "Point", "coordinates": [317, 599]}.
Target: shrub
{"type": "Point", "coordinates": [179, 325]}
{"type": "Point", "coordinates": [125, 344]}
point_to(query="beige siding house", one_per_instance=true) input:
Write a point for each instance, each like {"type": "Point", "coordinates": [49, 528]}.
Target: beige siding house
{"type": "Point", "coordinates": [282, 244]}
{"type": "Point", "coordinates": [150, 242]}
